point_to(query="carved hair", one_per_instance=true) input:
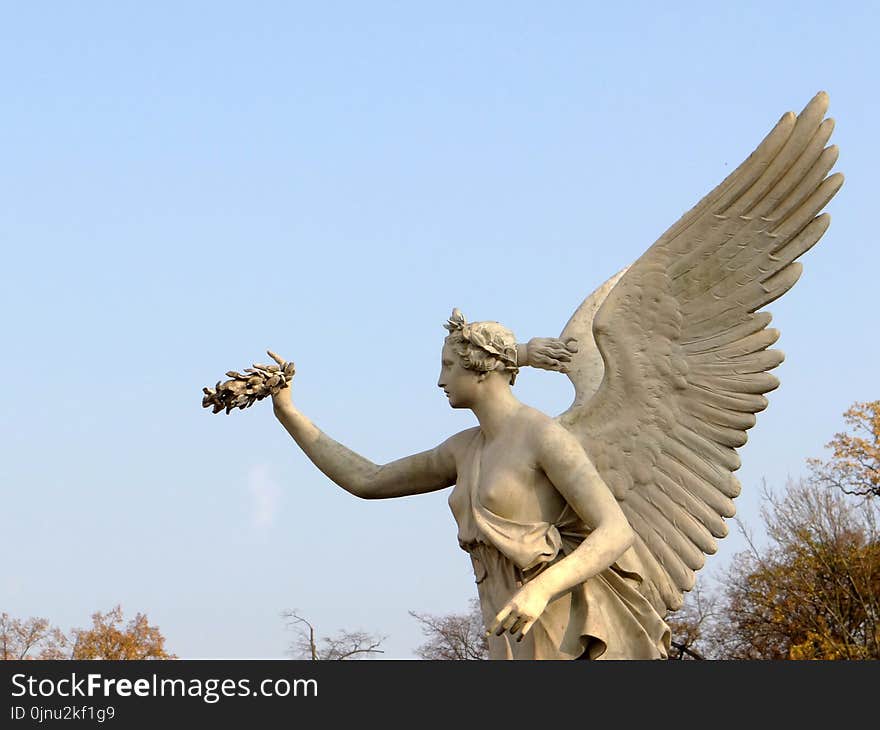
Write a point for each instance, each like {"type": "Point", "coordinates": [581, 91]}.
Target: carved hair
{"type": "Point", "coordinates": [482, 346]}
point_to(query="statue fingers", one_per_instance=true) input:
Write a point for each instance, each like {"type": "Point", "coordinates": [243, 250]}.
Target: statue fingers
{"type": "Point", "coordinates": [496, 627]}
{"type": "Point", "coordinates": [526, 628]}
{"type": "Point", "coordinates": [561, 354]}
{"type": "Point", "coordinates": [544, 359]}
{"type": "Point", "coordinates": [277, 358]}
{"type": "Point", "coordinates": [549, 363]}
{"type": "Point", "coordinates": [505, 625]}
{"type": "Point", "coordinates": [286, 366]}
{"type": "Point", "coordinates": [510, 618]}
{"type": "Point", "coordinates": [558, 347]}
{"type": "Point", "coordinates": [517, 626]}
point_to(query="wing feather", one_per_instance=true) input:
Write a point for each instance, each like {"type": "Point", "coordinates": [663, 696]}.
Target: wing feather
{"type": "Point", "coordinates": [806, 186]}
{"type": "Point", "coordinates": [701, 488]}
{"type": "Point", "coordinates": [753, 324]}
{"type": "Point", "coordinates": [708, 518]}
{"type": "Point", "coordinates": [756, 362]}
{"type": "Point", "coordinates": [656, 585]}
{"type": "Point", "coordinates": [719, 435]}
{"type": "Point", "coordinates": [733, 402]}
{"type": "Point", "coordinates": [755, 383]}
{"type": "Point", "coordinates": [808, 160]}
{"type": "Point", "coordinates": [760, 195]}
{"type": "Point", "coordinates": [744, 346]}
{"type": "Point", "coordinates": [669, 525]}
{"type": "Point", "coordinates": [717, 458]}
{"type": "Point", "coordinates": [705, 411]}
{"type": "Point", "coordinates": [688, 524]}
{"type": "Point", "coordinates": [797, 218]}
{"type": "Point", "coordinates": [804, 241]}
{"type": "Point", "coordinates": [666, 556]}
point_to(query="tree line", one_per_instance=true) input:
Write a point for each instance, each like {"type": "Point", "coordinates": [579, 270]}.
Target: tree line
{"type": "Point", "coordinates": [109, 637]}
{"type": "Point", "coordinates": [813, 591]}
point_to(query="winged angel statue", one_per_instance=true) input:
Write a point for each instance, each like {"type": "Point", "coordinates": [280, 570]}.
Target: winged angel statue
{"type": "Point", "coordinates": [586, 529]}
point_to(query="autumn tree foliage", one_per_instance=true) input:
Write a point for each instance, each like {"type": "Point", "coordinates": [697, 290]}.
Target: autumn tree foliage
{"type": "Point", "coordinates": [32, 638]}
{"type": "Point", "coordinates": [453, 636]}
{"type": "Point", "coordinates": [108, 638]}
{"type": "Point", "coordinates": [854, 466]}
{"type": "Point", "coordinates": [111, 638]}
{"type": "Point", "coordinates": [814, 593]}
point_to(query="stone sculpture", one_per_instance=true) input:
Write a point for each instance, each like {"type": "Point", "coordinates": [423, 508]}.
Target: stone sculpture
{"type": "Point", "coordinates": [586, 529]}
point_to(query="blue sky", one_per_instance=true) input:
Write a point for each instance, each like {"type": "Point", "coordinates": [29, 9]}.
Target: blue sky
{"type": "Point", "coordinates": [186, 184]}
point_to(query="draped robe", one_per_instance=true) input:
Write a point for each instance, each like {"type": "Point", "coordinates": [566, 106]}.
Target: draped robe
{"type": "Point", "coordinates": [606, 617]}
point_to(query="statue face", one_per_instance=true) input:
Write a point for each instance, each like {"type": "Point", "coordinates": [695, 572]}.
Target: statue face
{"type": "Point", "coordinates": [460, 385]}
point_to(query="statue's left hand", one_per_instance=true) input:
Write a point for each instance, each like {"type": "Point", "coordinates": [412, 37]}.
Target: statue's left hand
{"type": "Point", "coordinates": [551, 353]}
{"type": "Point", "coordinates": [521, 611]}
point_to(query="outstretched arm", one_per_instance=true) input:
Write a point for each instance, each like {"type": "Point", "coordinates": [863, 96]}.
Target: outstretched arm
{"type": "Point", "coordinates": [547, 353]}
{"type": "Point", "coordinates": [416, 474]}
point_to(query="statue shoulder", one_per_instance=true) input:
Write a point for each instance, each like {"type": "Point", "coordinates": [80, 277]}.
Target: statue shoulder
{"type": "Point", "coordinates": [539, 423]}
{"type": "Point", "coordinates": [459, 442]}
{"type": "Point", "coordinates": [547, 432]}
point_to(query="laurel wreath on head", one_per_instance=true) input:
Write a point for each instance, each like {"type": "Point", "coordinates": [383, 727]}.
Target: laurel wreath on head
{"type": "Point", "coordinates": [478, 334]}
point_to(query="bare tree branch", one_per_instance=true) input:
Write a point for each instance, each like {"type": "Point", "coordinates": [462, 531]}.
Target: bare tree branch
{"type": "Point", "coordinates": [340, 646]}
{"type": "Point", "coordinates": [453, 636]}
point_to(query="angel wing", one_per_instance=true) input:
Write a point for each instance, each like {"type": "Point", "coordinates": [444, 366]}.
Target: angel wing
{"type": "Point", "coordinates": [586, 368]}
{"type": "Point", "coordinates": [685, 349]}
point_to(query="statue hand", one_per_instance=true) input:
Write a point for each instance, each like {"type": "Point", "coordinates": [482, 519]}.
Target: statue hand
{"type": "Point", "coordinates": [521, 611]}
{"type": "Point", "coordinates": [551, 353]}
{"type": "Point", "coordinates": [282, 397]}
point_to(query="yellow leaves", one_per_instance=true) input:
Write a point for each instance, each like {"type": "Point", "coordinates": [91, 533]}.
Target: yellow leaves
{"type": "Point", "coordinates": [814, 591]}
{"type": "Point", "coordinates": [814, 646]}
{"type": "Point", "coordinates": [854, 466]}
{"type": "Point", "coordinates": [822, 646]}
{"type": "Point", "coordinates": [109, 638]}
{"type": "Point", "coordinates": [32, 638]}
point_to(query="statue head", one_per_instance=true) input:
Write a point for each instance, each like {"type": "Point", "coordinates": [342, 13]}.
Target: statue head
{"type": "Point", "coordinates": [483, 347]}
